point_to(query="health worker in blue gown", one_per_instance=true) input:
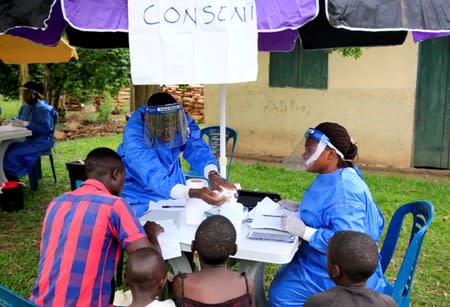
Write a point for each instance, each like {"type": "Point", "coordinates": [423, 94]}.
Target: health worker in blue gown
{"type": "Point", "coordinates": [36, 115]}
{"type": "Point", "coordinates": [154, 138]}
{"type": "Point", "coordinates": [338, 199]}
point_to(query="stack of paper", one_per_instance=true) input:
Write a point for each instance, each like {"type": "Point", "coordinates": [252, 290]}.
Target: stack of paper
{"type": "Point", "coordinates": [267, 214]}
{"type": "Point", "coordinates": [170, 245]}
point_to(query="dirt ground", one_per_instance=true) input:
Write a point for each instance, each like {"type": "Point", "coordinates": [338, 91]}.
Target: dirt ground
{"type": "Point", "coordinates": [410, 172]}
{"type": "Point", "coordinates": [80, 124]}
{"type": "Point", "coordinates": [83, 124]}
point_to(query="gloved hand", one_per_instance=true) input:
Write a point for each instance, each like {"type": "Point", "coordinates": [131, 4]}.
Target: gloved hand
{"type": "Point", "coordinates": [6, 122]}
{"type": "Point", "coordinates": [210, 197]}
{"type": "Point", "coordinates": [290, 205]}
{"type": "Point", "coordinates": [217, 182]}
{"type": "Point", "coordinates": [19, 123]}
{"type": "Point", "coordinates": [293, 225]}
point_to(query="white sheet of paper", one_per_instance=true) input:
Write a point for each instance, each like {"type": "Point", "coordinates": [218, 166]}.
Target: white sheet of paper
{"type": "Point", "coordinates": [170, 245]}
{"type": "Point", "coordinates": [196, 41]}
{"type": "Point", "coordinates": [268, 207]}
{"type": "Point", "coordinates": [265, 206]}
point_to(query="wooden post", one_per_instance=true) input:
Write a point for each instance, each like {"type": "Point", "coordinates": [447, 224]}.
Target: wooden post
{"type": "Point", "coordinates": [23, 77]}
{"type": "Point", "coordinates": [140, 94]}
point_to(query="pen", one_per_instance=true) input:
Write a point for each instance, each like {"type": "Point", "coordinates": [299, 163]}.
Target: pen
{"type": "Point", "coordinates": [272, 215]}
{"type": "Point", "coordinates": [173, 206]}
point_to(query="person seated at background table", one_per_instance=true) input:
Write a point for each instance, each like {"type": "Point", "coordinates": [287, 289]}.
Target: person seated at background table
{"type": "Point", "coordinates": [215, 241]}
{"type": "Point", "coordinates": [338, 199]}
{"type": "Point", "coordinates": [36, 115]}
{"type": "Point", "coordinates": [83, 234]}
{"type": "Point", "coordinates": [352, 258]}
{"type": "Point", "coordinates": [145, 275]}
{"type": "Point", "coordinates": [154, 138]}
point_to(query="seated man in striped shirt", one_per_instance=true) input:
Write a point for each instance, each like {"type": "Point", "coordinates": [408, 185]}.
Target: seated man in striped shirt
{"type": "Point", "coordinates": [83, 234]}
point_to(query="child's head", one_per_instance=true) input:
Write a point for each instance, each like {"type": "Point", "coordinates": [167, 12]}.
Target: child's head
{"type": "Point", "coordinates": [145, 271]}
{"type": "Point", "coordinates": [215, 240]}
{"type": "Point", "coordinates": [352, 257]}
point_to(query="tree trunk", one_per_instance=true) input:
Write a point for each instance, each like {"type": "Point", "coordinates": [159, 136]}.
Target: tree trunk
{"type": "Point", "coordinates": [23, 77]}
{"type": "Point", "coordinates": [48, 83]}
{"type": "Point", "coordinates": [140, 94]}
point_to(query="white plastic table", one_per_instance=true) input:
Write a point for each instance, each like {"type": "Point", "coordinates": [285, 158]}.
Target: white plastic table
{"type": "Point", "coordinates": [8, 135]}
{"type": "Point", "coordinates": [253, 254]}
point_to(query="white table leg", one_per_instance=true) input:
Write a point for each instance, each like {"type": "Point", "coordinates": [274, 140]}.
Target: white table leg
{"type": "Point", "coordinates": [255, 270]}
{"type": "Point", "coordinates": [3, 146]}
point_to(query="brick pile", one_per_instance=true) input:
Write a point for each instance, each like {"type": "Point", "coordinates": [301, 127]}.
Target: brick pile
{"type": "Point", "coordinates": [192, 98]}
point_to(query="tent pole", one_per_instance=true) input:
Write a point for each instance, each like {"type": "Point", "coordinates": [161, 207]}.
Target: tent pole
{"type": "Point", "coordinates": [222, 158]}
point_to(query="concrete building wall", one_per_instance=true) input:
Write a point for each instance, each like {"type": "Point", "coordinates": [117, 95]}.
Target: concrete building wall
{"type": "Point", "coordinates": [373, 97]}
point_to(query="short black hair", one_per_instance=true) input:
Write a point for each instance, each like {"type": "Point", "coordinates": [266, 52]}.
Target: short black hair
{"type": "Point", "coordinates": [34, 86]}
{"type": "Point", "coordinates": [145, 268]}
{"type": "Point", "coordinates": [101, 161]}
{"type": "Point", "coordinates": [161, 98]}
{"type": "Point", "coordinates": [215, 239]}
{"type": "Point", "coordinates": [356, 253]}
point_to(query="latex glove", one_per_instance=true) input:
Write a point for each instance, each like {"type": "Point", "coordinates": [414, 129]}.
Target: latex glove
{"type": "Point", "coordinates": [290, 205]}
{"type": "Point", "coordinates": [210, 197]}
{"type": "Point", "coordinates": [293, 225]}
{"type": "Point", "coordinates": [217, 182]}
{"type": "Point", "coordinates": [6, 122]}
{"type": "Point", "coordinates": [19, 123]}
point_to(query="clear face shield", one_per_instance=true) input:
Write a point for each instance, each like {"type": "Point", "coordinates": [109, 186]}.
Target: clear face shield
{"type": "Point", "coordinates": [309, 149]}
{"type": "Point", "coordinates": [165, 126]}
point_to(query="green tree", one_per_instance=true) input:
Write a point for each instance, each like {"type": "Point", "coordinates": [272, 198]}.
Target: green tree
{"type": "Point", "coordinates": [95, 72]}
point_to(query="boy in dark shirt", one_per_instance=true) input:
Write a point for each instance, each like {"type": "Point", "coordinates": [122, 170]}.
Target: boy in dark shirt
{"type": "Point", "coordinates": [352, 259]}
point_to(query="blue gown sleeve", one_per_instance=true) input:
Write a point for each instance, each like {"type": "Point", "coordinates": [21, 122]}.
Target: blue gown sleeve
{"type": "Point", "coordinates": [347, 215]}
{"type": "Point", "coordinates": [143, 162]}
{"type": "Point", "coordinates": [197, 151]}
{"type": "Point", "coordinates": [41, 121]}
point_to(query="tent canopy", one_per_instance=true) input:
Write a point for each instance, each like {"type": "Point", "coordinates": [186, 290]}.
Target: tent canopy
{"type": "Point", "coordinates": [17, 50]}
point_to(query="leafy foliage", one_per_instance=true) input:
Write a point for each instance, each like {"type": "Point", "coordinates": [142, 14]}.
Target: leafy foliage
{"type": "Point", "coordinates": [104, 111]}
{"type": "Point", "coordinates": [348, 52]}
{"type": "Point", "coordinates": [96, 71]}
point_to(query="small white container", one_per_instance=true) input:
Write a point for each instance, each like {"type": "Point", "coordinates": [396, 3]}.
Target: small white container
{"type": "Point", "coordinates": [234, 211]}
{"type": "Point", "coordinates": [195, 211]}
{"type": "Point", "coordinates": [196, 183]}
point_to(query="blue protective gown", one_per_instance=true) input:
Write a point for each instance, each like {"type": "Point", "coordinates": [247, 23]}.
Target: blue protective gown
{"type": "Point", "coordinates": [337, 201]}
{"type": "Point", "coordinates": [152, 173]}
{"type": "Point", "coordinates": [21, 156]}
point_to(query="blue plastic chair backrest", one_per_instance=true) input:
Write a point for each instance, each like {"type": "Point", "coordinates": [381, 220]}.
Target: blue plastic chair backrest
{"type": "Point", "coordinates": [422, 212]}
{"type": "Point", "coordinates": [10, 298]}
{"type": "Point", "coordinates": [213, 136]}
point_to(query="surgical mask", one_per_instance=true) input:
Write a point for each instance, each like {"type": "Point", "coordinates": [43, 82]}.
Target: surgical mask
{"type": "Point", "coordinates": [165, 126]}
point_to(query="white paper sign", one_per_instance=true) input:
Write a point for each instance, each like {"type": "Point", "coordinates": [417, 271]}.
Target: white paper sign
{"type": "Point", "coordinates": [195, 41]}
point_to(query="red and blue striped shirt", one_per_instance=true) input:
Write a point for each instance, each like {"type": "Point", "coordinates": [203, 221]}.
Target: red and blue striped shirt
{"type": "Point", "coordinates": [83, 234]}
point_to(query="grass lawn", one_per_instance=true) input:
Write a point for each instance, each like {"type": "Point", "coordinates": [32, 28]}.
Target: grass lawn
{"type": "Point", "coordinates": [9, 108]}
{"type": "Point", "coordinates": [20, 232]}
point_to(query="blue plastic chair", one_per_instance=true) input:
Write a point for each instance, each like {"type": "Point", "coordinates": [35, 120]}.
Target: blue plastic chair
{"type": "Point", "coordinates": [422, 212]}
{"type": "Point", "coordinates": [36, 173]}
{"type": "Point", "coordinates": [10, 298]}
{"type": "Point", "coordinates": [212, 134]}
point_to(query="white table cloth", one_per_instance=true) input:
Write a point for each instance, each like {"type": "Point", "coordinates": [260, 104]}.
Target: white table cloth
{"type": "Point", "coordinates": [8, 135]}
